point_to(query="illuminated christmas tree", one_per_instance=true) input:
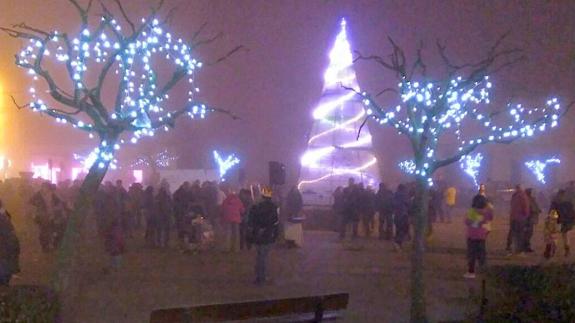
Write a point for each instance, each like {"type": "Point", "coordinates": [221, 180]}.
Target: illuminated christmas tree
{"type": "Point", "coordinates": [335, 153]}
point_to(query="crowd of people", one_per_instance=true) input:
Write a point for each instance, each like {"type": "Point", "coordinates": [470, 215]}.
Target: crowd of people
{"type": "Point", "coordinates": [196, 216]}
{"type": "Point", "coordinates": [199, 216]}
{"type": "Point", "coordinates": [356, 206]}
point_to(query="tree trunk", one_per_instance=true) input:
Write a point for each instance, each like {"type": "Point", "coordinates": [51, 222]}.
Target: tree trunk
{"type": "Point", "coordinates": [418, 313]}
{"type": "Point", "coordinates": [66, 280]}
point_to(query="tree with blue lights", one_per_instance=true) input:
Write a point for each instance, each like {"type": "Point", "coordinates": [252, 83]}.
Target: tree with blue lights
{"type": "Point", "coordinates": [453, 105]}
{"type": "Point", "coordinates": [113, 81]}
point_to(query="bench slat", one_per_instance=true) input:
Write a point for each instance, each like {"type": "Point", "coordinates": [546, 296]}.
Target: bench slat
{"type": "Point", "coordinates": [252, 309]}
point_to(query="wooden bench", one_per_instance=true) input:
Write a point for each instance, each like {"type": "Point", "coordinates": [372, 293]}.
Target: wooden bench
{"type": "Point", "coordinates": [301, 309]}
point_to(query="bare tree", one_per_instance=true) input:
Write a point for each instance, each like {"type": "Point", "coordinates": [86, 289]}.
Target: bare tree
{"type": "Point", "coordinates": [456, 106]}
{"type": "Point", "coordinates": [111, 80]}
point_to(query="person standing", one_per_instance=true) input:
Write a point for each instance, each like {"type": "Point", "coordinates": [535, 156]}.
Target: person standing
{"type": "Point", "coordinates": [401, 206]}
{"type": "Point", "coordinates": [450, 197]}
{"type": "Point", "coordinates": [551, 233]}
{"type": "Point", "coordinates": [9, 248]}
{"type": "Point", "coordinates": [181, 208]}
{"type": "Point", "coordinates": [519, 215]}
{"type": "Point", "coordinates": [532, 220]}
{"type": "Point", "coordinates": [350, 209]}
{"type": "Point", "coordinates": [566, 217]}
{"type": "Point", "coordinates": [232, 209]}
{"type": "Point", "coordinates": [338, 208]}
{"type": "Point", "coordinates": [163, 213]}
{"type": "Point", "coordinates": [149, 209]}
{"type": "Point", "coordinates": [366, 207]}
{"type": "Point", "coordinates": [294, 203]}
{"type": "Point", "coordinates": [263, 224]}
{"type": "Point", "coordinates": [42, 202]}
{"type": "Point", "coordinates": [478, 223]}
{"type": "Point", "coordinates": [136, 196]}
{"type": "Point", "coordinates": [384, 206]}
{"type": "Point", "coordinates": [245, 196]}
{"type": "Point", "coordinates": [123, 201]}
{"type": "Point", "coordinates": [114, 242]}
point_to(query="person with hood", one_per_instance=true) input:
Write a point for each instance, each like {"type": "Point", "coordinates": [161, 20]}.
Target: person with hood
{"type": "Point", "coordinates": [232, 210]}
{"type": "Point", "coordinates": [478, 223]}
{"type": "Point", "coordinates": [519, 214]}
{"type": "Point", "coordinates": [9, 248]}
{"type": "Point", "coordinates": [566, 216]}
{"type": "Point", "coordinates": [263, 229]}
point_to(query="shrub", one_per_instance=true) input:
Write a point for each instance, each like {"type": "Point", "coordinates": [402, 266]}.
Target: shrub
{"type": "Point", "coordinates": [530, 294]}
{"type": "Point", "coordinates": [28, 304]}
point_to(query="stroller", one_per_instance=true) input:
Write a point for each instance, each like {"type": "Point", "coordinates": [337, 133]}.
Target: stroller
{"type": "Point", "coordinates": [198, 233]}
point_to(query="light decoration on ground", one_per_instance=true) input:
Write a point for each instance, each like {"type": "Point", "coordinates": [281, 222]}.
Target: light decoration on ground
{"type": "Point", "coordinates": [132, 60]}
{"type": "Point", "coordinates": [224, 165]}
{"type": "Point", "coordinates": [407, 166]}
{"type": "Point", "coordinates": [470, 165]}
{"type": "Point", "coordinates": [537, 167]}
{"type": "Point", "coordinates": [160, 160]}
{"type": "Point", "coordinates": [334, 153]}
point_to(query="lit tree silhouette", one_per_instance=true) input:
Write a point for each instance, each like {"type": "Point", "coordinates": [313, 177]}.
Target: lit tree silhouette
{"type": "Point", "coordinates": [111, 81]}
{"type": "Point", "coordinates": [456, 106]}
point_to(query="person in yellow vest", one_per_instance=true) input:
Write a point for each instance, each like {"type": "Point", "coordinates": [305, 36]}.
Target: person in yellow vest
{"type": "Point", "coordinates": [449, 196]}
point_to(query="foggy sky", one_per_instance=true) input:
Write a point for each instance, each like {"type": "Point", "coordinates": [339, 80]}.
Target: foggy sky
{"type": "Point", "coordinates": [274, 85]}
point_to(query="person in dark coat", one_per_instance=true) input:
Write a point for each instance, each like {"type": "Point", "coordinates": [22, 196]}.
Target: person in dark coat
{"type": "Point", "coordinates": [338, 207]}
{"type": "Point", "coordinates": [534, 211]}
{"type": "Point", "coordinates": [59, 221]}
{"type": "Point", "coordinates": [42, 202]}
{"type": "Point", "coordinates": [519, 214]}
{"type": "Point", "coordinates": [401, 207]}
{"type": "Point", "coordinates": [114, 242]}
{"type": "Point", "coordinates": [245, 196]}
{"type": "Point", "coordinates": [294, 203]}
{"type": "Point", "coordinates": [366, 204]}
{"type": "Point", "coordinates": [9, 248]}
{"type": "Point", "coordinates": [263, 229]}
{"type": "Point", "coordinates": [384, 205]}
{"type": "Point", "coordinates": [149, 209]}
{"type": "Point", "coordinates": [136, 198]}
{"type": "Point", "coordinates": [181, 207]}
{"type": "Point", "coordinates": [350, 209]}
{"type": "Point", "coordinates": [163, 214]}
{"type": "Point", "coordinates": [564, 207]}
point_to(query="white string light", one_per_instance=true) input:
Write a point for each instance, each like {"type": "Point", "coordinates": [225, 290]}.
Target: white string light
{"type": "Point", "coordinates": [224, 165]}
{"type": "Point", "coordinates": [538, 167]}
{"type": "Point", "coordinates": [334, 152]}
{"type": "Point", "coordinates": [470, 165]}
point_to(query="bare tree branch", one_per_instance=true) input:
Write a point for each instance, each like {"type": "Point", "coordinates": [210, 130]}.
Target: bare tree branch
{"type": "Point", "coordinates": [125, 15]}
{"type": "Point", "coordinates": [228, 54]}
